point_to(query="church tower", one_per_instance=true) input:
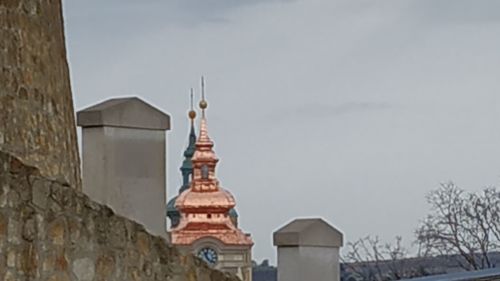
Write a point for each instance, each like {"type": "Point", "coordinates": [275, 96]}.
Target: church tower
{"type": "Point", "coordinates": [205, 226]}
{"type": "Point", "coordinates": [186, 169]}
{"type": "Point", "coordinates": [187, 173]}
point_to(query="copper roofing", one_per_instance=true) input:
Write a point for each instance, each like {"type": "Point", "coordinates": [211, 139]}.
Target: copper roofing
{"type": "Point", "coordinates": [205, 206]}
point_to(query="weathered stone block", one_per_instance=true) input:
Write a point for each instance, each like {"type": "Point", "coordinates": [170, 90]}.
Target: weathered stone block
{"type": "Point", "coordinates": [147, 269]}
{"type": "Point", "coordinates": [41, 193]}
{"type": "Point", "coordinates": [27, 261]}
{"type": "Point", "coordinates": [105, 267]}
{"type": "Point", "coordinates": [134, 273]}
{"type": "Point", "coordinates": [49, 262]}
{"type": "Point", "coordinates": [9, 276]}
{"type": "Point", "coordinates": [13, 199]}
{"type": "Point", "coordinates": [74, 230]}
{"type": "Point", "coordinates": [60, 277]}
{"type": "Point", "coordinates": [41, 226]}
{"type": "Point", "coordinates": [117, 233]}
{"type": "Point", "coordinates": [4, 191]}
{"type": "Point", "coordinates": [56, 231]}
{"type": "Point", "coordinates": [143, 243]}
{"type": "Point", "coordinates": [3, 229]}
{"type": "Point", "coordinates": [84, 269]}
{"type": "Point", "coordinates": [60, 261]}
{"type": "Point", "coordinates": [14, 230]}
{"type": "Point", "coordinates": [102, 230]}
{"type": "Point", "coordinates": [11, 257]}
{"type": "Point", "coordinates": [29, 229]}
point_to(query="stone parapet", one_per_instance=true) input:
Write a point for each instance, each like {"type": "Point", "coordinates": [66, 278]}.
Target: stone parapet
{"type": "Point", "coordinates": [50, 231]}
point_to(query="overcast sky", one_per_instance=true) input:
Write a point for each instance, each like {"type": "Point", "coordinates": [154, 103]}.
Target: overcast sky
{"type": "Point", "coordinates": [350, 110]}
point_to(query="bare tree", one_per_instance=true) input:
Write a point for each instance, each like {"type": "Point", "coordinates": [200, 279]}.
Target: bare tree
{"type": "Point", "coordinates": [370, 260]}
{"type": "Point", "coordinates": [464, 224]}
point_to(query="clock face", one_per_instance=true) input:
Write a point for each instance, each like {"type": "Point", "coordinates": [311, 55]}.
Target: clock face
{"type": "Point", "coordinates": [209, 255]}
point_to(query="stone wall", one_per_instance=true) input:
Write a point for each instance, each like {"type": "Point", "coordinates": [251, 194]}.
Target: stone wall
{"type": "Point", "coordinates": [51, 232]}
{"type": "Point", "coordinates": [36, 109]}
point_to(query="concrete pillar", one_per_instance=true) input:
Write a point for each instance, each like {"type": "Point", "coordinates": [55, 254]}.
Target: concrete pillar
{"type": "Point", "coordinates": [123, 156]}
{"type": "Point", "coordinates": [308, 249]}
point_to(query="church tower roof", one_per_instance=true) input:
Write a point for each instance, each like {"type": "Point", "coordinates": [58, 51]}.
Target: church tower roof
{"type": "Point", "coordinates": [205, 206]}
{"type": "Point", "coordinates": [187, 164]}
{"type": "Point", "coordinates": [186, 168]}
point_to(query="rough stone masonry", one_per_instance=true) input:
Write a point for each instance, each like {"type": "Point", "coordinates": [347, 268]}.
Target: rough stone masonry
{"type": "Point", "coordinates": [51, 232]}
{"type": "Point", "coordinates": [36, 109]}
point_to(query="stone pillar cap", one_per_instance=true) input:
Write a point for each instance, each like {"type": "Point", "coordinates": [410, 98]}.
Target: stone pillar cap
{"type": "Point", "coordinates": [130, 112]}
{"type": "Point", "coordinates": [313, 232]}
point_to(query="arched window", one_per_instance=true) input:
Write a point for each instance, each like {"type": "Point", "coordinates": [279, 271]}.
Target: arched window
{"type": "Point", "coordinates": [204, 172]}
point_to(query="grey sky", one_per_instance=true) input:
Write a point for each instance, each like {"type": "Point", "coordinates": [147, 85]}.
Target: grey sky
{"type": "Point", "coordinates": [351, 110]}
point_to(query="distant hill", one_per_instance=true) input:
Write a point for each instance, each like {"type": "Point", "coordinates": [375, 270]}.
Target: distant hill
{"type": "Point", "coordinates": [432, 266]}
{"type": "Point", "coordinates": [418, 266]}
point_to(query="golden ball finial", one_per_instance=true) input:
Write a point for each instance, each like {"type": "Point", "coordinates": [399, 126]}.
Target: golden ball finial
{"type": "Point", "coordinates": [203, 104]}
{"type": "Point", "coordinates": [192, 114]}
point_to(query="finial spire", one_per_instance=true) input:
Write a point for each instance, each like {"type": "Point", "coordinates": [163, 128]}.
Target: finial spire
{"type": "Point", "coordinates": [192, 99]}
{"type": "Point", "coordinates": [203, 102]}
{"type": "Point", "coordinates": [192, 113]}
{"type": "Point", "coordinates": [187, 166]}
{"type": "Point", "coordinates": [203, 137]}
